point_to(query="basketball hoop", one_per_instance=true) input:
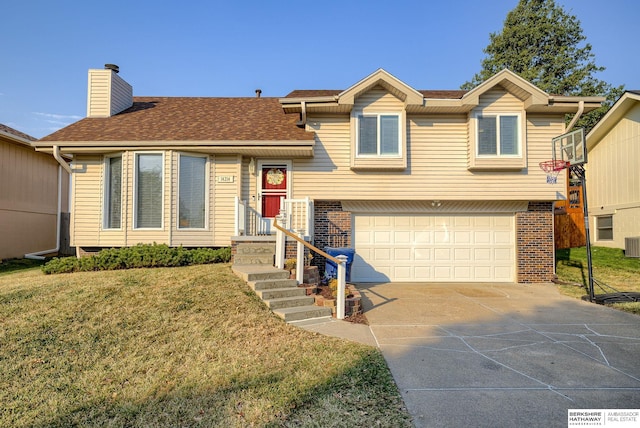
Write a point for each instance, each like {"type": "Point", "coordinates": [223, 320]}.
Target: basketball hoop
{"type": "Point", "coordinates": [553, 168]}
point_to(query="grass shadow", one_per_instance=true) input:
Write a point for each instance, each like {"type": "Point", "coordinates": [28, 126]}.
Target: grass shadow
{"type": "Point", "coordinates": [14, 265]}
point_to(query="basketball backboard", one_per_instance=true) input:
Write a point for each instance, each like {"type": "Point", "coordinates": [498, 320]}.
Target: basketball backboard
{"type": "Point", "coordinates": [570, 147]}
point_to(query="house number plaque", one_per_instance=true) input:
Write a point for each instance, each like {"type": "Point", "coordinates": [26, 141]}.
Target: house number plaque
{"type": "Point", "coordinates": [226, 178]}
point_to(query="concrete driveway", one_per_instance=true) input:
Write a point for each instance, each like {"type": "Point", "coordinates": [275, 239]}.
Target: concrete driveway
{"type": "Point", "coordinates": [503, 355]}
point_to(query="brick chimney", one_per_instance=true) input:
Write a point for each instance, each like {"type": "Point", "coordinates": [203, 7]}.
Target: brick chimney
{"type": "Point", "coordinates": [108, 93]}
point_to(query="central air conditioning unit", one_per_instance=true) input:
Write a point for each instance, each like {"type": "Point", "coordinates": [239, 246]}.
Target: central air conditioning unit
{"type": "Point", "coordinates": [632, 246]}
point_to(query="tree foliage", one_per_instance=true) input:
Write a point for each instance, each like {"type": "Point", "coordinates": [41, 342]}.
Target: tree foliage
{"type": "Point", "coordinates": [545, 45]}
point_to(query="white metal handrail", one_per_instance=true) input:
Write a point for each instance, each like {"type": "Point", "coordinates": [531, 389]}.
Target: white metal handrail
{"type": "Point", "coordinates": [340, 261]}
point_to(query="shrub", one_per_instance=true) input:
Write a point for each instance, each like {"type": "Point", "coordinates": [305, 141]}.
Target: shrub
{"type": "Point", "coordinates": [139, 256]}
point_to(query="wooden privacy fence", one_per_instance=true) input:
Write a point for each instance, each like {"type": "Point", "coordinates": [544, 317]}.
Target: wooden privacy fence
{"type": "Point", "coordinates": [569, 221]}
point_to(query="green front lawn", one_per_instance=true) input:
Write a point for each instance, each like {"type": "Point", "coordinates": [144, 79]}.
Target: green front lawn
{"type": "Point", "coordinates": [189, 346]}
{"type": "Point", "coordinates": [610, 267]}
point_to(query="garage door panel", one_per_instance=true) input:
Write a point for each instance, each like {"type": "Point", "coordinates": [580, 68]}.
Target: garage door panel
{"type": "Point", "coordinates": [382, 237]}
{"type": "Point", "coordinates": [442, 254]}
{"type": "Point", "coordinates": [434, 248]}
{"type": "Point", "coordinates": [402, 237]}
{"type": "Point", "coordinates": [482, 237]}
{"type": "Point", "coordinates": [462, 237]}
{"type": "Point", "coordinates": [422, 254]}
{"type": "Point", "coordinates": [503, 237]}
{"type": "Point", "coordinates": [482, 254]}
{"type": "Point", "coordinates": [402, 254]}
{"type": "Point", "coordinates": [382, 254]}
{"type": "Point", "coordinates": [442, 237]}
{"type": "Point", "coordinates": [503, 255]}
{"type": "Point", "coordinates": [422, 237]}
{"type": "Point", "coordinates": [462, 254]}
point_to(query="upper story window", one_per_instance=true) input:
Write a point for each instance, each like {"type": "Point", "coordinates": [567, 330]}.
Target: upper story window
{"type": "Point", "coordinates": [112, 192]}
{"type": "Point", "coordinates": [498, 135]}
{"type": "Point", "coordinates": [192, 184]}
{"type": "Point", "coordinates": [379, 135]}
{"type": "Point", "coordinates": [148, 190]}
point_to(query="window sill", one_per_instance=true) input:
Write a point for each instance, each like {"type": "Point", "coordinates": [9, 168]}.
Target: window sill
{"type": "Point", "coordinates": [497, 163]}
{"type": "Point", "coordinates": [379, 163]}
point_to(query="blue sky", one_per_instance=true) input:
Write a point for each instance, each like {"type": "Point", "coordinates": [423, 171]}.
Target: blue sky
{"type": "Point", "coordinates": [213, 48]}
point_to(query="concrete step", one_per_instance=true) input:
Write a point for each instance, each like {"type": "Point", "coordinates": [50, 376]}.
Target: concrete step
{"type": "Point", "coordinates": [265, 284]}
{"type": "Point", "coordinates": [278, 293]}
{"type": "Point", "coordinates": [289, 302]}
{"type": "Point", "coordinates": [258, 273]}
{"type": "Point", "coordinates": [302, 312]}
{"type": "Point", "coordinates": [253, 259]}
{"type": "Point", "coordinates": [256, 249]}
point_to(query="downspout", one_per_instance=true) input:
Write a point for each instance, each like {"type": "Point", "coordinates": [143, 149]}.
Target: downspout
{"type": "Point", "coordinates": [38, 255]}
{"type": "Point", "coordinates": [61, 164]}
{"type": "Point", "coordinates": [576, 117]}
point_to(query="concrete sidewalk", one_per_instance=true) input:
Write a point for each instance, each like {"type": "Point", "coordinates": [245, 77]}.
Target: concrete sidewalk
{"type": "Point", "coordinates": [498, 355]}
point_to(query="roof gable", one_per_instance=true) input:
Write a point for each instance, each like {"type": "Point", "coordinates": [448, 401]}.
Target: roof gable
{"type": "Point", "coordinates": [396, 87]}
{"type": "Point", "coordinates": [613, 116]}
{"type": "Point", "coordinates": [514, 84]}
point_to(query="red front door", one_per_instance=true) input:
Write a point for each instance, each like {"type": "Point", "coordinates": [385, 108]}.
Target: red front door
{"type": "Point", "coordinates": [274, 188]}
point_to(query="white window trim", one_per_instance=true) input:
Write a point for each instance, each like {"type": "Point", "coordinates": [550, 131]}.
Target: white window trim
{"type": "Point", "coordinates": [135, 190]}
{"type": "Point", "coordinates": [379, 155]}
{"type": "Point", "coordinates": [497, 115]}
{"type": "Point", "coordinates": [106, 204]}
{"type": "Point", "coordinates": [597, 228]}
{"type": "Point", "coordinates": [207, 167]}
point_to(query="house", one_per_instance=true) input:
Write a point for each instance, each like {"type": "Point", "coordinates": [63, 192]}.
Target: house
{"type": "Point", "coordinates": [34, 192]}
{"type": "Point", "coordinates": [612, 178]}
{"type": "Point", "coordinates": [426, 185]}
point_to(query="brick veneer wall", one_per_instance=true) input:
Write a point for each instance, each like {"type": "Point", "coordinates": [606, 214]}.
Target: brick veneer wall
{"type": "Point", "coordinates": [535, 245]}
{"type": "Point", "coordinates": [332, 228]}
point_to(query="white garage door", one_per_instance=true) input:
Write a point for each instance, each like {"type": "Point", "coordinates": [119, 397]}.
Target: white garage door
{"type": "Point", "coordinates": [407, 248]}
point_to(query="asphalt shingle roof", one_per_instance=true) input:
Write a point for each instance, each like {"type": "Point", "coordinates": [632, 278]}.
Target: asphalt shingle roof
{"type": "Point", "coordinates": [9, 130]}
{"type": "Point", "coordinates": [190, 119]}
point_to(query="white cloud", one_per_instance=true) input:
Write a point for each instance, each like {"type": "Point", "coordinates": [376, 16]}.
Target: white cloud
{"type": "Point", "coordinates": [59, 117]}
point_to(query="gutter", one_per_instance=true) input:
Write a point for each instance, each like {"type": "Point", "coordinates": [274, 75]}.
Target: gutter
{"type": "Point", "coordinates": [38, 255]}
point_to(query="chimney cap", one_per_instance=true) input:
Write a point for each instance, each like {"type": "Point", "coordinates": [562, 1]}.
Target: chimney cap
{"type": "Point", "coordinates": [112, 67]}
{"type": "Point", "coordinates": [258, 92]}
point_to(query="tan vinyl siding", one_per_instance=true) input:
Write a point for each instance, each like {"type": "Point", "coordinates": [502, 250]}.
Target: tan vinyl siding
{"type": "Point", "coordinates": [437, 164]}
{"type": "Point", "coordinates": [28, 200]}
{"type": "Point", "coordinates": [108, 94]}
{"type": "Point", "coordinates": [98, 93]}
{"type": "Point", "coordinates": [619, 150]}
{"type": "Point", "coordinates": [613, 181]}
{"type": "Point", "coordinates": [87, 200]}
{"type": "Point", "coordinates": [224, 206]}
{"type": "Point", "coordinates": [121, 94]}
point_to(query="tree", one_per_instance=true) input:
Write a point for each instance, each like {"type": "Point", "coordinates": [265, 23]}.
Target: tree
{"type": "Point", "coordinates": [545, 45]}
